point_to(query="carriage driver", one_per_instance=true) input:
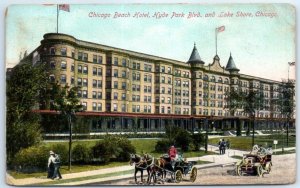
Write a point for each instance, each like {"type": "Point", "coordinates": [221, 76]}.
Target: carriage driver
{"type": "Point", "coordinates": [172, 153]}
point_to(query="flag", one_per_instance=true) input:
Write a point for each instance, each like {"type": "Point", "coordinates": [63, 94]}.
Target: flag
{"type": "Point", "coordinates": [220, 29]}
{"type": "Point", "coordinates": [292, 63]}
{"type": "Point", "coordinates": [64, 7]}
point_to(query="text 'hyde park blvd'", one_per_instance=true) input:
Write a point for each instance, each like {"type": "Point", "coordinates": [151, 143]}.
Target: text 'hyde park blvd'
{"type": "Point", "coordinates": [187, 15]}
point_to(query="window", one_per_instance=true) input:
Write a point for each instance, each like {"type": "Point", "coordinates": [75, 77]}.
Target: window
{"type": "Point", "coordinates": [79, 81]}
{"type": "Point", "coordinates": [123, 74]}
{"type": "Point", "coordinates": [123, 107]}
{"type": "Point", "coordinates": [99, 95]}
{"type": "Point", "coordinates": [79, 55]}
{"type": "Point", "coordinates": [94, 106]}
{"type": "Point", "coordinates": [138, 87]}
{"type": "Point", "coordinates": [123, 85]}
{"type": "Point", "coordinates": [79, 93]}
{"type": "Point", "coordinates": [52, 64]}
{"type": "Point", "coordinates": [94, 94]}
{"type": "Point", "coordinates": [84, 104]}
{"type": "Point", "coordinates": [115, 84]}
{"type": "Point", "coordinates": [169, 80]}
{"type": "Point", "coordinates": [145, 89]}
{"type": "Point", "coordinates": [123, 96]}
{"type": "Point", "coordinates": [162, 100]}
{"type": "Point", "coordinates": [169, 70]}
{"type": "Point", "coordinates": [115, 73]}
{"type": "Point", "coordinates": [205, 77]}
{"type": "Point", "coordinates": [99, 83]}
{"type": "Point", "coordinates": [162, 68]}
{"type": "Point", "coordinates": [162, 109]}
{"type": "Point", "coordinates": [145, 98]}
{"type": "Point", "coordinates": [124, 62]}
{"type": "Point", "coordinates": [84, 94]}
{"type": "Point", "coordinates": [63, 51]}
{"type": "Point", "coordinates": [85, 56]}
{"type": "Point", "coordinates": [162, 79]}
{"type": "Point", "coordinates": [163, 90]}
{"type": "Point", "coordinates": [94, 58]}
{"type": "Point", "coordinates": [72, 67]}
{"type": "Point", "coordinates": [63, 79]}
{"type": "Point", "coordinates": [52, 51]}
{"type": "Point", "coordinates": [116, 95]}
{"type": "Point", "coordinates": [169, 90]}
{"type": "Point", "coordinates": [79, 69]}
{"type": "Point", "coordinates": [94, 71]}
{"type": "Point", "coordinates": [72, 80]}
{"type": "Point", "coordinates": [85, 70]}
{"type": "Point", "coordinates": [220, 80]}
{"type": "Point", "coordinates": [115, 107]}
{"type": "Point", "coordinates": [94, 83]}
{"type": "Point", "coordinates": [169, 100]}
{"type": "Point", "coordinates": [100, 59]}
{"type": "Point", "coordinates": [116, 61]}
{"type": "Point", "coordinates": [85, 82]}
{"type": "Point", "coordinates": [99, 106]}
{"type": "Point", "coordinates": [73, 53]}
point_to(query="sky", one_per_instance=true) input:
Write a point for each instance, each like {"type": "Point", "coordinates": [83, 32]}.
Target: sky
{"type": "Point", "coordinates": [260, 46]}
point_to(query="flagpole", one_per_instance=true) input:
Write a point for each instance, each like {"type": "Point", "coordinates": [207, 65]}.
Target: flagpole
{"type": "Point", "coordinates": [57, 13]}
{"type": "Point", "coordinates": [216, 41]}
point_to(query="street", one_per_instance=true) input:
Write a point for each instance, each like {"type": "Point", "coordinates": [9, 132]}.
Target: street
{"type": "Point", "coordinates": [283, 172]}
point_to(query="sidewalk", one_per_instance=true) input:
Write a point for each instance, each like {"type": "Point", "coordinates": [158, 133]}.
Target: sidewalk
{"type": "Point", "coordinates": [127, 171]}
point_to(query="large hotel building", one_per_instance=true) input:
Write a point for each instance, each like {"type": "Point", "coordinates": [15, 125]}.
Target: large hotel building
{"type": "Point", "coordinates": [150, 91]}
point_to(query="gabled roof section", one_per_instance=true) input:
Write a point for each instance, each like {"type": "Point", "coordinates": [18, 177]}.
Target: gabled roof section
{"type": "Point", "coordinates": [195, 57]}
{"type": "Point", "coordinates": [231, 65]}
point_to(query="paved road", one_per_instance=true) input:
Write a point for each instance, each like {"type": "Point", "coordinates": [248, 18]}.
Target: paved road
{"type": "Point", "coordinates": [283, 172]}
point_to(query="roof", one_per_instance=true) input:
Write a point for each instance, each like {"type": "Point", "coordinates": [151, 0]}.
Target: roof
{"type": "Point", "coordinates": [195, 57]}
{"type": "Point", "coordinates": [231, 65]}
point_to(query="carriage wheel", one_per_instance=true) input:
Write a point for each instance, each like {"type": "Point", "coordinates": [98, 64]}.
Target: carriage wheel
{"type": "Point", "coordinates": [178, 176]}
{"type": "Point", "coordinates": [193, 175]}
{"type": "Point", "coordinates": [239, 170]}
{"type": "Point", "coordinates": [260, 171]}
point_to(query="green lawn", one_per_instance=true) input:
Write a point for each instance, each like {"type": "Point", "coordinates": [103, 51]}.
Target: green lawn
{"type": "Point", "coordinates": [245, 143]}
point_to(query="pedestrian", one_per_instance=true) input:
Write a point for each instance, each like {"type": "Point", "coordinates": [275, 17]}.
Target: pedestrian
{"type": "Point", "coordinates": [223, 146]}
{"type": "Point", "coordinates": [220, 146]}
{"type": "Point", "coordinates": [51, 164]}
{"type": "Point", "coordinates": [56, 173]}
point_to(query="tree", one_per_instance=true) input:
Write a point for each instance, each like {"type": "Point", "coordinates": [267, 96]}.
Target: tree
{"type": "Point", "coordinates": [252, 102]}
{"type": "Point", "coordinates": [286, 102]}
{"type": "Point", "coordinates": [233, 99]}
{"type": "Point", "coordinates": [24, 85]}
{"type": "Point", "coordinates": [66, 102]}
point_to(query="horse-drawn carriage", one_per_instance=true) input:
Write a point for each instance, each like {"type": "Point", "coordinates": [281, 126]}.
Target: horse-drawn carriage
{"type": "Point", "coordinates": [159, 168]}
{"type": "Point", "coordinates": [258, 162]}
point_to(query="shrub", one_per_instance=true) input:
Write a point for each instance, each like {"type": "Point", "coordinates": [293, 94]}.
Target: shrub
{"type": "Point", "coordinates": [113, 147]}
{"type": "Point", "coordinates": [198, 141]}
{"type": "Point", "coordinates": [32, 159]}
{"type": "Point", "coordinates": [183, 139]}
{"type": "Point", "coordinates": [162, 145]}
{"type": "Point", "coordinates": [62, 151]}
{"type": "Point", "coordinates": [81, 154]}
{"type": "Point", "coordinates": [126, 149]}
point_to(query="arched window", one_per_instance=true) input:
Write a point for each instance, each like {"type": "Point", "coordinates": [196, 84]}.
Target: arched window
{"type": "Point", "coordinates": [205, 77]}
{"type": "Point", "coordinates": [226, 81]}
{"type": "Point", "coordinates": [213, 79]}
{"type": "Point", "coordinates": [220, 80]}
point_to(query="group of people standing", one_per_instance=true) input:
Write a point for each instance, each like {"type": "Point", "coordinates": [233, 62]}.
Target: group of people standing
{"type": "Point", "coordinates": [53, 166]}
{"type": "Point", "coordinates": [223, 145]}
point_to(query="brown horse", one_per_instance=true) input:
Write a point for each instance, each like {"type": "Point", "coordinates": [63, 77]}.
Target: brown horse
{"type": "Point", "coordinates": [161, 166]}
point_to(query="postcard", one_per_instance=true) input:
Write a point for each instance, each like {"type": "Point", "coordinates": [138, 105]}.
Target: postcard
{"type": "Point", "coordinates": [150, 94]}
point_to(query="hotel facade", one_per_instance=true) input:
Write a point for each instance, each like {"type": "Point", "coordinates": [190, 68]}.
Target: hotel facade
{"type": "Point", "coordinates": [122, 90]}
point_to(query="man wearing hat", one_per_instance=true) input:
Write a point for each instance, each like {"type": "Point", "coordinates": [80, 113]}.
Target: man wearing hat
{"type": "Point", "coordinates": [51, 164]}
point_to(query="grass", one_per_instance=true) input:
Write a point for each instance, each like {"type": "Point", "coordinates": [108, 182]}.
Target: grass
{"type": "Point", "coordinates": [245, 143]}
